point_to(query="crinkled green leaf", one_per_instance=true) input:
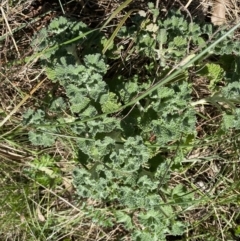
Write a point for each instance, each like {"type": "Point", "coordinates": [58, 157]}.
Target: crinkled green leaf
{"type": "Point", "coordinates": [58, 104]}
{"type": "Point", "coordinates": [105, 125]}
{"type": "Point", "coordinates": [33, 117]}
{"type": "Point", "coordinates": [41, 139]}
{"type": "Point", "coordinates": [95, 62]}
{"type": "Point", "coordinates": [109, 102]}
{"type": "Point", "coordinates": [232, 90]}
{"type": "Point", "coordinates": [123, 217]}
{"type": "Point", "coordinates": [231, 120]}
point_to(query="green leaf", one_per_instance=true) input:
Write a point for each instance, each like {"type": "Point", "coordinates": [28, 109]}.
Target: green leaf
{"type": "Point", "coordinates": [96, 63]}
{"type": "Point", "coordinates": [180, 41]}
{"type": "Point", "coordinates": [44, 171]}
{"type": "Point", "coordinates": [33, 117]}
{"type": "Point", "coordinates": [106, 125]}
{"type": "Point", "coordinates": [41, 139]}
{"type": "Point", "coordinates": [178, 228]}
{"type": "Point", "coordinates": [109, 102]}
{"type": "Point", "coordinates": [96, 150]}
{"type": "Point", "coordinates": [58, 104]}
{"type": "Point", "coordinates": [231, 121]}
{"type": "Point", "coordinates": [214, 72]}
{"type": "Point", "coordinates": [232, 90]}
{"type": "Point", "coordinates": [58, 25]}
{"type": "Point", "coordinates": [123, 217]}
{"type": "Point", "coordinates": [90, 111]}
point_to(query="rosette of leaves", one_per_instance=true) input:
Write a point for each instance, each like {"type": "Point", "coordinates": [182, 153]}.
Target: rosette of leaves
{"type": "Point", "coordinates": [170, 40]}
{"type": "Point", "coordinates": [119, 177]}
{"type": "Point", "coordinates": [164, 41]}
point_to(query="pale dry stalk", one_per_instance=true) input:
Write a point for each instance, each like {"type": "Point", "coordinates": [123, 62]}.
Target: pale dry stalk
{"type": "Point", "coordinates": [219, 11]}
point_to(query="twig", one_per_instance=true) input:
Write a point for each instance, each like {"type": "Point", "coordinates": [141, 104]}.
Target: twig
{"type": "Point", "coordinates": [10, 31]}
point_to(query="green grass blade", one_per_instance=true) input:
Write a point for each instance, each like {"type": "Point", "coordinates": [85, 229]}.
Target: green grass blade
{"type": "Point", "coordinates": [117, 11]}
{"type": "Point", "coordinates": [110, 41]}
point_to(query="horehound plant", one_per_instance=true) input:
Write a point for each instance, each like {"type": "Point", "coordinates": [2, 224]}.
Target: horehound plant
{"type": "Point", "coordinates": [132, 131]}
{"type": "Point", "coordinates": [124, 168]}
